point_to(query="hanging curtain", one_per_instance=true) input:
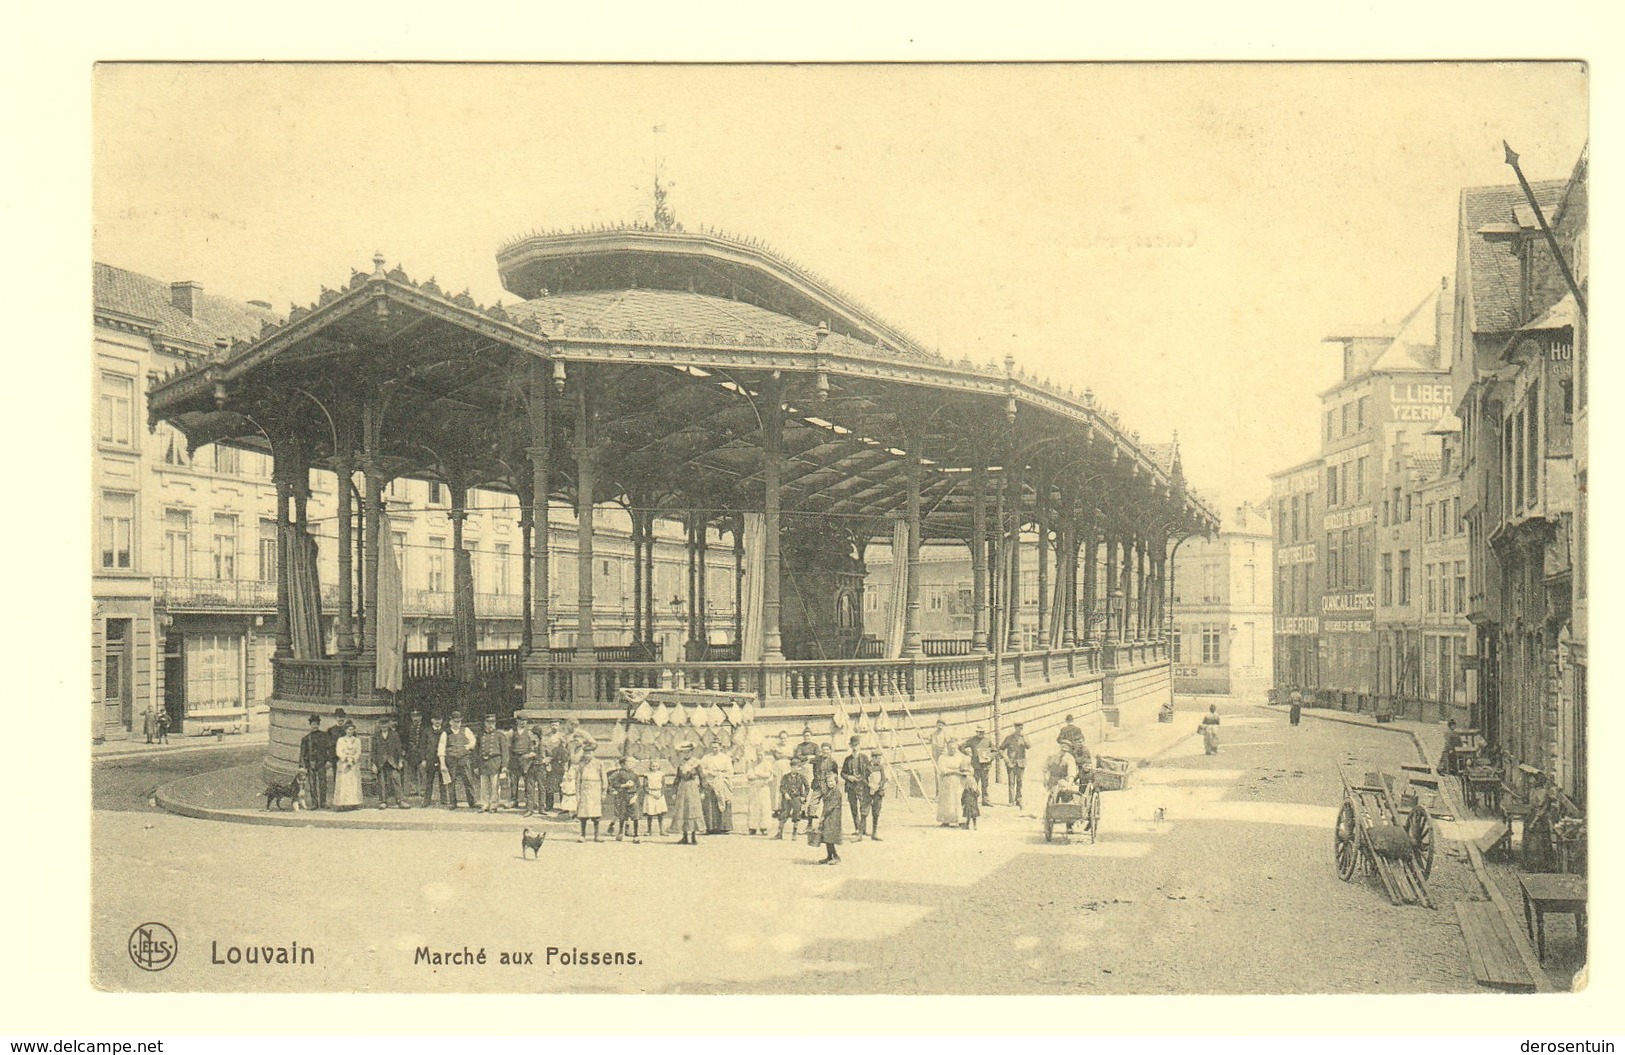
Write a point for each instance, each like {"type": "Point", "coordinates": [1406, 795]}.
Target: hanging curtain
{"type": "Point", "coordinates": [304, 597]}
{"type": "Point", "coordinates": [750, 648]}
{"type": "Point", "coordinates": [391, 631]}
{"type": "Point", "coordinates": [899, 588]}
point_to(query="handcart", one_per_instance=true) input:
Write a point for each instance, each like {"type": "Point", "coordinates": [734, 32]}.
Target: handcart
{"type": "Point", "coordinates": [1373, 835]}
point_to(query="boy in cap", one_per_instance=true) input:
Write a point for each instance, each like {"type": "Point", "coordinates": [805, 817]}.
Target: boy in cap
{"type": "Point", "coordinates": [877, 792]}
{"type": "Point", "coordinates": [626, 792]}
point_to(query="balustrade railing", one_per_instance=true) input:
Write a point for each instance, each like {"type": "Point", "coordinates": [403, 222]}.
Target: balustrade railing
{"type": "Point", "coordinates": [945, 646]}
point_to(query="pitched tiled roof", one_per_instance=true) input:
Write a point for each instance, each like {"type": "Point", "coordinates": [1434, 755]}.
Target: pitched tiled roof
{"type": "Point", "coordinates": [143, 297]}
{"type": "Point", "coordinates": [676, 315]}
{"type": "Point", "coordinates": [1493, 272]}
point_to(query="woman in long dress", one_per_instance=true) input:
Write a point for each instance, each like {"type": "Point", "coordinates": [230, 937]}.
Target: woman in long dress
{"type": "Point", "coordinates": [1210, 730]}
{"type": "Point", "coordinates": [829, 819]}
{"type": "Point", "coordinates": [589, 791]}
{"type": "Point", "coordinates": [717, 771]}
{"type": "Point", "coordinates": [760, 795]}
{"type": "Point", "coordinates": [347, 778]}
{"type": "Point", "coordinates": [686, 811]}
{"type": "Point", "coordinates": [951, 765]}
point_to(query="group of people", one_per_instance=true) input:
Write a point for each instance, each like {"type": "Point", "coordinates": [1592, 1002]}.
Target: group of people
{"type": "Point", "coordinates": [963, 769]}
{"type": "Point", "coordinates": [155, 725]}
{"type": "Point", "coordinates": [558, 768]}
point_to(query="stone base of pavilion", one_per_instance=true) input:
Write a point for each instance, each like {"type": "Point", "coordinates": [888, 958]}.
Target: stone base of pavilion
{"type": "Point", "coordinates": [1105, 689]}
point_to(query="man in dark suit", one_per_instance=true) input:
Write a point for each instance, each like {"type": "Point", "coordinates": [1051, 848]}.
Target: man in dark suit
{"type": "Point", "coordinates": [855, 777]}
{"type": "Point", "coordinates": [428, 752]}
{"type": "Point", "coordinates": [1015, 748]}
{"type": "Point", "coordinates": [334, 732]}
{"type": "Point", "coordinates": [524, 750]}
{"type": "Point", "coordinates": [388, 759]}
{"type": "Point", "coordinates": [412, 750]}
{"type": "Point", "coordinates": [313, 752]}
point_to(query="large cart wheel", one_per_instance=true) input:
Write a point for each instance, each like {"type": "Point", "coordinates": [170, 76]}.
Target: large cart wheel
{"type": "Point", "coordinates": [1094, 813]}
{"type": "Point", "coordinates": [1423, 837]}
{"type": "Point", "coordinates": [1347, 846]}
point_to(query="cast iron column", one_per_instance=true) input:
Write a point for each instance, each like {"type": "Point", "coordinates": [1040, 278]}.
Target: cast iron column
{"type": "Point", "coordinates": [772, 465]}
{"type": "Point", "coordinates": [911, 614]}
{"type": "Point", "coordinates": [978, 557]}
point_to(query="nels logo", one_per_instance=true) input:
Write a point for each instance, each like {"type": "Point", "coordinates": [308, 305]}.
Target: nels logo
{"type": "Point", "coordinates": [153, 946]}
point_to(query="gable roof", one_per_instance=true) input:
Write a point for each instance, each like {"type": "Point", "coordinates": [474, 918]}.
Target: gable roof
{"type": "Point", "coordinates": [1415, 347]}
{"type": "Point", "coordinates": [1493, 272]}
{"type": "Point", "coordinates": [147, 299]}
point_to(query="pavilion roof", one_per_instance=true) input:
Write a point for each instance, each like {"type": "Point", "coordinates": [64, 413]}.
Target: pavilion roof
{"type": "Point", "coordinates": [674, 376]}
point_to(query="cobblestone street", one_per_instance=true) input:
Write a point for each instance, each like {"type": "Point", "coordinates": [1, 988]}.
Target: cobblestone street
{"type": "Point", "coordinates": [1233, 892]}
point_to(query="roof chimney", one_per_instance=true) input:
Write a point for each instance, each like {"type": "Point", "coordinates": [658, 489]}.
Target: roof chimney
{"type": "Point", "coordinates": [187, 297]}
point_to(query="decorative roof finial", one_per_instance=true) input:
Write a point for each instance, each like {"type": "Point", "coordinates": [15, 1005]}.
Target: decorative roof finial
{"type": "Point", "coordinates": [378, 263]}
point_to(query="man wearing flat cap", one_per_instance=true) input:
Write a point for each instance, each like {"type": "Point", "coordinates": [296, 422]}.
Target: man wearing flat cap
{"type": "Point", "coordinates": [456, 756]}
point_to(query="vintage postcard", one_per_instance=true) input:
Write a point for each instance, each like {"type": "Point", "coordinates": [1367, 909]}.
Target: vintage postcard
{"type": "Point", "coordinates": [939, 529]}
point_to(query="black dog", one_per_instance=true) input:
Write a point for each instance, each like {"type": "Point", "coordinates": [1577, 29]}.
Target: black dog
{"type": "Point", "coordinates": [533, 843]}
{"type": "Point", "coordinates": [292, 791]}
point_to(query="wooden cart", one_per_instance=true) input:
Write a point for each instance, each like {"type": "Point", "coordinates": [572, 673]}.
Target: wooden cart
{"type": "Point", "coordinates": [1373, 836]}
{"type": "Point", "coordinates": [1068, 807]}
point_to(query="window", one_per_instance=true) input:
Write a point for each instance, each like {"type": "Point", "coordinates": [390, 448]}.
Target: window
{"type": "Point", "coordinates": [1365, 538]}
{"type": "Point", "coordinates": [1332, 577]}
{"type": "Point", "coordinates": [226, 460]}
{"type": "Point", "coordinates": [178, 543]}
{"type": "Point", "coordinates": [117, 410]}
{"type": "Point", "coordinates": [1580, 531]}
{"type": "Point", "coordinates": [1346, 408]}
{"type": "Point", "coordinates": [268, 548]}
{"type": "Point", "coordinates": [1347, 543]}
{"type": "Point", "coordinates": [174, 445]}
{"type": "Point", "coordinates": [1532, 444]}
{"type": "Point", "coordinates": [399, 538]}
{"type": "Point", "coordinates": [1280, 522]}
{"type": "Point", "coordinates": [1387, 585]}
{"type": "Point", "coordinates": [437, 493]}
{"type": "Point", "coordinates": [437, 565]}
{"type": "Point", "coordinates": [1283, 590]}
{"type": "Point", "coordinates": [1331, 486]}
{"type": "Point", "coordinates": [1461, 587]}
{"type": "Point", "coordinates": [1385, 512]}
{"type": "Point", "coordinates": [1210, 645]}
{"type": "Point", "coordinates": [1360, 417]}
{"type": "Point", "coordinates": [500, 568]}
{"type": "Point", "coordinates": [1177, 652]}
{"type": "Point", "coordinates": [1410, 507]}
{"type": "Point", "coordinates": [1297, 527]}
{"type": "Point", "coordinates": [118, 530]}
{"type": "Point", "coordinates": [1359, 479]}
{"type": "Point", "coordinates": [214, 672]}
{"type": "Point", "coordinates": [1404, 576]}
{"type": "Point", "coordinates": [1461, 525]}
{"type": "Point", "coordinates": [225, 547]}
{"type": "Point", "coordinates": [1430, 520]}
{"type": "Point", "coordinates": [1432, 591]}
{"type": "Point", "coordinates": [1328, 425]}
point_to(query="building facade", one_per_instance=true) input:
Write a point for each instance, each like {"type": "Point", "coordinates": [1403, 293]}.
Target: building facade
{"type": "Point", "coordinates": [184, 577]}
{"type": "Point", "coordinates": [1298, 578]}
{"type": "Point", "coordinates": [1519, 363]}
{"type": "Point", "coordinates": [1223, 607]}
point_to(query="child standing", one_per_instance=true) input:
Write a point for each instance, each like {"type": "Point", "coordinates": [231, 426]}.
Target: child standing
{"type": "Point", "coordinates": [626, 787]}
{"type": "Point", "coordinates": [971, 802]}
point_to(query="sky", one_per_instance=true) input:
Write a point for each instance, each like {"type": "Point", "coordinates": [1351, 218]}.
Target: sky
{"type": "Point", "coordinates": [1178, 238]}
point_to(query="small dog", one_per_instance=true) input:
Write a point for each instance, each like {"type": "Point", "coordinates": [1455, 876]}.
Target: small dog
{"type": "Point", "coordinates": [533, 843]}
{"type": "Point", "coordinates": [293, 792]}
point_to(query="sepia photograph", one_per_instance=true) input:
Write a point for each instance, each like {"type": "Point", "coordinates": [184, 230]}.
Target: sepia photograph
{"type": "Point", "coordinates": [1016, 529]}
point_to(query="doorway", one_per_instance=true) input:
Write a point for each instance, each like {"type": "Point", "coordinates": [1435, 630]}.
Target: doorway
{"type": "Point", "coordinates": [116, 683]}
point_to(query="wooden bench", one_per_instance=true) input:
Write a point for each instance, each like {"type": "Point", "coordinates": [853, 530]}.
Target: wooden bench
{"type": "Point", "coordinates": [1494, 959]}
